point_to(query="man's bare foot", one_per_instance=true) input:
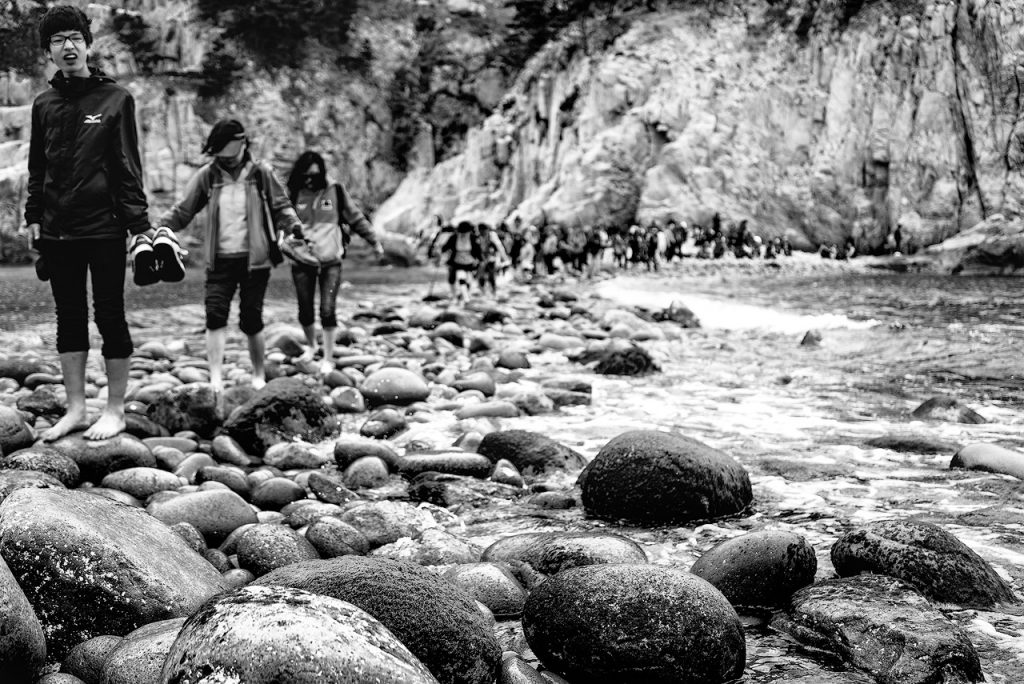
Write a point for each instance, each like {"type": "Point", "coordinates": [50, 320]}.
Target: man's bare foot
{"type": "Point", "coordinates": [109, 424]}
{"type": "Point", "coordinates": [258, 382]}
{"type": "Point", "coordinates": [73, 421]}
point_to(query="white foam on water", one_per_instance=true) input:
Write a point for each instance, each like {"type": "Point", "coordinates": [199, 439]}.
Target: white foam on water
{"type": "Point", "coordinates": [725, 314]}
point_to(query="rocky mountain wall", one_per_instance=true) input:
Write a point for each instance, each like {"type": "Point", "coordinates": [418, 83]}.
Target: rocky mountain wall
{"type": "Point", "coordinates": [818, 119]}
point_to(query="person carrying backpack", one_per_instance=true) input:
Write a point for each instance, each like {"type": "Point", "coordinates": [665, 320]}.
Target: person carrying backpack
{"type": "Point", "coordinates": [326, 211]}
{"type": "Point", "coordinates": [463, 253]}
{"type": "Point", "coordinates": [492, 257]}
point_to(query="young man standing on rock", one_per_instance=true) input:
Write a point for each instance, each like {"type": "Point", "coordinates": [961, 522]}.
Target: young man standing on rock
{"type": "Point", "coordinates": [84, 196]}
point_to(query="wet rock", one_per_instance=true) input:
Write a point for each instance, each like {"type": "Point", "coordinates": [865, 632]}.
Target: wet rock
{"type": "Point", "coordinates": [515, 670]}
{"type": "Point", "coordinates": [383, 423]}
{"type": "Point", "coordinates": [368, 471]}
{"type": "Point", "coordinates": [284, 410]}
{"type": "Point", "coordinates": [448, 462]}
{"type": "Point", "coordinates": [512, 360]}
{"type": "Point", "coordinates": [384, 522]}
{"type": "Point", "coordinates": [480, 381]}
{"type": "Point", "coordinates": [616, 359]}
{"type": "Point", "coordinates": [15, 433]}
{"type": "Point", "coordinates": [18, 368]}
{"type": "Point", "coordinates": [295, 455]}
{"type": "Point", "coordinates": [280, 634]}
{"type": "Point", "coordinates": [679, 313]}
{"type": "Point", "coordinates": [506, 473]}
{"type": "Point", "coordinates": [192, 465]}
{"type": "Point", "coordinates": [561, 398]}
{"type": "Point", "coordinates": [98, 458]}
{"type": "Point", "coordinates": [330, 488]}
{"type": "Point", "coordinates": [86, 659]}
{"type": "Point", "coordinates": [909, 442]}
{"type": "Point", "coordinates": [45, 401]}
{"type": "Point", "coordinates": [431, 492]}
{"type": "Point", "coordinates": [348, 400]}
{"type": "Point", "coordinates": [276, 493]}
{"type": "Point", "coordinates": [438, 622]}
{"type": "Point", "coordinates": [947, 409]}
{"type": "Point", "coordinates": [811, 338]}
{"type": "Point", "coordinates": [266, 547]}
{"type": "Point", "coordinates": [492, 584]}
{"type": "Point", "coordinates": [227, 450]}
{"type": "Point", "coordinates": [142, 482]}
{"type": "Point", "coordinates": [926, 557]}
{"type": "Point", "coordinates": [45, 460]}
{"type": "Point", "coordinates": [552, 501]}
{"type": "Point", "coordinates": [552, 552]}
{"type": "Point", "coordinates": [142, 427]}
{"type": "Point", "coordinates": [308, 511]}
{"type": "Point", "coordinates": [433, 546]}
{"type": "Point", "coordinates": [397, 386]}
{"type": "Point", "coordinates": [23, 647]}
{"type": "Point", "coordinates": [182, 444]}
{"type": "Point", "coordinates": [882, 626]}
{"type": "Point", "coordinates": [333, 537]}
{"type": "Point", "coordinates": [348, 450]}
{"type": "Point", "coordinates": [230, 476]}
{"type": "Point", "coordinates": [652, 477]}
{"type": "Point", "coordinates": [533, 403]}
{"type": "Point", "coordinates": [187, 407]}
{"type": "Point", "coordinates": [288, 339]}
{"type": "Point", "coordinates": [532, 453]}
{"type": "Point", "coordinates": [139, 657]}
{"type": "Point", "coordinates": [488, 409]}
{"type": "Point", "coordinates": [760, 569]}
{"type": "Point", "coordinates": [450, 331]}
{"type": "Point", "coordinates": [90, 566]}
{"type": "Point", "coordinates": [216, 512]}
{"type": "Point", "coordinates": [990, 458]}
{"type": "Point", "coordinates": [634, 623]}
{"type": "Point", "coordinates": [193, 537]}
{"type": "Point", "coordinates": [14, 480]}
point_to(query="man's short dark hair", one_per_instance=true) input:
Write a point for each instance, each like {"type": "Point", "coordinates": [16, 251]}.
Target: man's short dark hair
{"type": "Point", "coordinates": [63, 18]}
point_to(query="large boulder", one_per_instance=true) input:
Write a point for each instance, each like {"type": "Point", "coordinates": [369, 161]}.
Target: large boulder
{"type": "Point", "coordinates": [397, 386]}
{"type": "Point", "coordinates": [926, 557]}
{"type": "Point", "coordinates": [651, 477]}
{"type": "Point", "coordinates": [15, 433]}
{"type": "Point", "coordinates": [22, 646]}
{"type": "Point", "coordinates": [91, 566]}
{"type": "Point", "coordinates": [531, 452]}
{"type": "Point", "coordinates": [552, 552]}
{"type": "Point", "coordinates": [634, 624]}
{"type": "Point", "coordinates": [437, 621]}
{"type": "Point", "coordinates": [187, 407]}
{"type": "Point", "coordinates": [285, 409]}
{"type": "Point", "coordinates": [214, 512]}
{"type": "Point", "coordinates": [13, 480]}
{"type": "Point", "coordinates": [261, 635]}
{"type": "Point", "coordinates": [881, 625]}
{"type": "Point", "coordinates": [761, 569]}
{"type": "Point", "coordinates": [97, 458]}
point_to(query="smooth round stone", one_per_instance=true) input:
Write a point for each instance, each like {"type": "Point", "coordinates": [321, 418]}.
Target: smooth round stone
{"type": "Point", "coordinates": [634, 624]}
{"type": "Point", "coordinates": [492, 584]}
{"type": "Point", "coordinates": [383, 423]}
{"type": "Point", "coordinates": [215, 513]}
{"type": "Point", "coordinates": [187, 407]}
{"type": "Point", "coordinates": [531, 452]}
{"type": "Point", "coordinates": [396, 386]}
{"type": "Point", "coordinates": [357, 361]}
{"type": "Point", "coordinates": [384, 522]}
{"type": "Point", "coordinates": [552, 501]}
{"type": "Point", "coordinates": [139, 657]}
{"type": "Point", "coordinates": [185, 446]}
{"type": "Point", "coordinates": [264, 547]}
{"type": "Point", "coordinates": [227, 450]}
{"type": "Point", "coordinates": [347, 400]}
{"type": "Point", "coordinates": [276, 493]}
{"type": "Point", "coordinates": [348, 450]}
{"type": "Point", "coordinates": [14, 480]}
{"type": "Point", "coordinates": [437, 621]}
{"type": "Point", "coordinates": [479, 381]}
{"type": "Point", "coordinates": [989, 458]}
{"type": "Point", "coordinates": [651, 477]}
{"type": "Point", "coordinates": [275, 517]}
{"type": "Point", "coordinates": [37, 380]}
{"type": "Point", "coordinates": [556, 342]}
{"type": "Point", "coordinates": [117, 495]}
{"type": "Point", "coordinates": [448, 462]}
{"type": "Point", "coordinates": [279, 634]}
{"type": "Point", "coordinates": [168, 458]}
{"type": "Point", "coordinates": [44, 460]}
{"type": "Point", "coordinates": [59, 678]}
{"type": "Point", "coordinates": [512, 360]}
{"type": "Point", "coordinates": [193, 537]}
{"type": "Point", "coordinates": [433, 546]}
{"type": "Point", "coordinates": [488, 409]}
{"type": "Point", "coordinates": [553, 552]}
{"type": "Point", "coordinates": [451, 332]}
{"type": "Point", "coordinates": [760, 569]}
{"type": "Point", "coordinates": [23, 646]}
{"type": "Point", "coordinates": [230, 544]}
{"type": "Point", "coordinates": [230, 476]}
{"type": "Point", "coordinates": [292, 455]}
{"type": "Point", "coordinates": [336, 379]}
{"type": "Point", "coordinates": [193, 463]}
{"type": "Point", "coordinates": [332, 537]}
{"type": "Point", "coordinates": [142, 427]}
{"type": "Point", "coordinates": [330, 488]}
{"type": "Point", "coordinates": [15, 433]}
{"type": "Point", "coordinates": [236, 578]}
{"type": "Point", "coordinates": [98, 458]}
{"type": "Point", "coordinates": [368, 472]}
{"type": "Point", "coordinates": [218, 559]}
{"type": "Point", "coordinates": [85, 660]}
{"type": "Point", "coordinates": [308, 511]}
{"type": "Point", "coordinates": [515, 670]}
{"type": "Point", "coordinates": [142, 482]}
{"type": "Point", "coordinates": [506, 473]}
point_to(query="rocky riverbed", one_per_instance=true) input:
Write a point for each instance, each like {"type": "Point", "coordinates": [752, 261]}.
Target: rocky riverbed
{"type": "Point", "coordinates": [807, 386]}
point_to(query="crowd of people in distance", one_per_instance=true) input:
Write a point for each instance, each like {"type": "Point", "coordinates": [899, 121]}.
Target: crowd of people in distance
{"type": "Point", "coordinates": [476, 253]}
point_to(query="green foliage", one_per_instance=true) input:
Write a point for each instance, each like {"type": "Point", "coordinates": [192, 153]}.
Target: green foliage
{"type": "Point", "coordinates": [138, 36]}
{"type": "Point", "coordinates": [218, 71]}
{"type": "Point", "coordinates": [278, 32]}
{"type": "Point", "coordinates": [536, 22]}
{"type": "Point", "coordinates": [19, 39]}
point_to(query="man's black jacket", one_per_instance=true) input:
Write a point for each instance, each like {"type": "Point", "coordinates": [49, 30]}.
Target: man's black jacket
{"type": "Point", "coordinates": [84, 172]}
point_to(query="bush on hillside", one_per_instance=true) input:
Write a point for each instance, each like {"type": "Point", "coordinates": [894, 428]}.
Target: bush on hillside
{"type": "Point", "coordinates": [19, 39]}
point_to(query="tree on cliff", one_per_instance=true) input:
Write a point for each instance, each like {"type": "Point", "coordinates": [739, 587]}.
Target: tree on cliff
{"type": "Point", "coordinates": [19, 41]}
{"type": "Point", "coordinates": [537, 22]}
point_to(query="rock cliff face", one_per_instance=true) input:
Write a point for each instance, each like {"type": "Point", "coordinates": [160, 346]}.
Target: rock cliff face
{"type": "Point", "coordinates": [819, 119]}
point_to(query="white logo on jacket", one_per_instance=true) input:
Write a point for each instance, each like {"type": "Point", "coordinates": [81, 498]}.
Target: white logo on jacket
{"type": "Point", "coordinates": [92, 118]}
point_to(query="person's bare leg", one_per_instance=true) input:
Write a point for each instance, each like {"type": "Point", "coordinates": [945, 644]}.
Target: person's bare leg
{"type": "Point", "coordinates": [72, 365]}
{"type": "Point", "coordinates": [111, 421]}
{"type": "Point", "coordinates": [215, 341]}
{"type": "Point", "coordinates": [257, 350]}
{"type": "Point", "coordinates": [327, 363]}
{"type": "Point", "coordinates": [310, 332]}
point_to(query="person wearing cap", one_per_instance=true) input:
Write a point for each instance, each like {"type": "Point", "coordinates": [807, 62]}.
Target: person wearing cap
{"type": "Point", "coordinates": [327, 213]}
{"type": "Point", "coordinates": [85, 196]}
{"type": "Point", "coordinates": [247, 212]}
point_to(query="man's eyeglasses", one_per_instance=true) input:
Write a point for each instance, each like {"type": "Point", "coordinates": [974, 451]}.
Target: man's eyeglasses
{"type": "Point", "coordinates": [59, 41]}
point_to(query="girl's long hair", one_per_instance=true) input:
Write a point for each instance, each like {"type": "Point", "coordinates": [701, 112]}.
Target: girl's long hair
{"type": "Point", "coordinates": [297, 176]}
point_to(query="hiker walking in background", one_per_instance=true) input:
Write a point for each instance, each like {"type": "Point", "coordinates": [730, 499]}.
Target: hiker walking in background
{"type": "Point", "coordinates": [492, 258]}
{"type": "Point", "coordinates": [85, 196]}
{"type": "Point", "coordinates": [528, 252]}
{"type": "Point", "coordinates": [463, 254]}
{"type": "Point", "coordinates": [327, 213]}
{"type": "Point", "coordinates": [247, 211]}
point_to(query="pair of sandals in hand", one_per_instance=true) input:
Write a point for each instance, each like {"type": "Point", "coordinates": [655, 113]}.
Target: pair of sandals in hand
{"type": "Point", "coordinates": [157, 258]}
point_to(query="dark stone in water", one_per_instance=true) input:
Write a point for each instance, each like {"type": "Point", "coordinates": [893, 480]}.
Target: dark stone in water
{"type": "Point", "coordinates": [447, 462]}
{"type": "Point", "coordinates": [926, 557]}
{"type": "Point", "coordinates": [429, 492]}
{"type": "Point", "coordinates": [633, 360]}
{"type": "Point", "coordinates": [882, 626]}
{"type": "Point", "coordinates": [142, 427]}
{"type": "Point", "coordinates": [947, 409]}
{"type": "Point", "coordinates": [383, 423]}
{"type": "Point", "coordinates": [553, 552]}
{"type": "Point", "coordinates": [282, 411]}
{"type": "Point", "coordinates": [330, 487]}
{"type": "Point", "coordinates": [910, 443]}
{"type": "Point", "coordinates": [188, 407]}
{"type": "Point", "coordinates": [348, 450]}
{"type": "Point", "coordinates": [530, 452]}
